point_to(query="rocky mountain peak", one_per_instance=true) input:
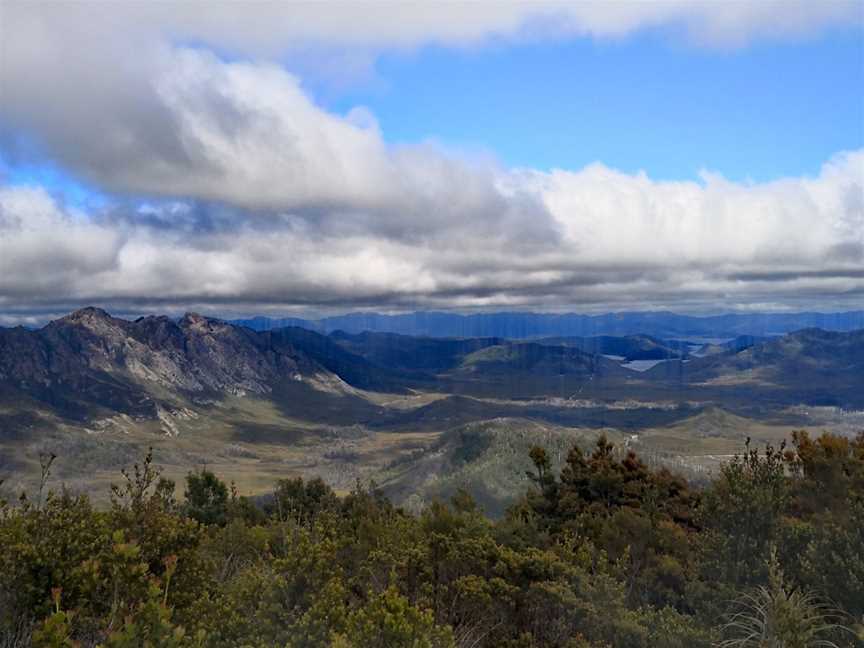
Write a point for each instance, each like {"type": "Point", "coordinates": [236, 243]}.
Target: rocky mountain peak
{"type": "Point", "coordinates": [90, 318]}
{"type": "Point", "coordinates": [201, 324]}
{"type": "Point", "coordinates": [87, 314]}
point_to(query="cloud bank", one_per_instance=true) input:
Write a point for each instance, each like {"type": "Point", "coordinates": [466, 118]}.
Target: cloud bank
{"type": "Point", "coordinates": [231, 191]}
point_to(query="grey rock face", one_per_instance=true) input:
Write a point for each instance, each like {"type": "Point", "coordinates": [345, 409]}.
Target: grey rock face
{"type": "Point", "coordinates": [91, 357]}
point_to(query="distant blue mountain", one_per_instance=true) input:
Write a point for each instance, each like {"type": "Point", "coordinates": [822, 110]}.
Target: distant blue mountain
{"type": "Point", "coordinates": [517, 325]}
{"type": "Point", "coordinates": [268, 324]}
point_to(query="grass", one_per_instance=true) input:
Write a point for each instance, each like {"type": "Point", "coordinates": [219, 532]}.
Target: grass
{"type": "Point", "coordinates": [420, 445]}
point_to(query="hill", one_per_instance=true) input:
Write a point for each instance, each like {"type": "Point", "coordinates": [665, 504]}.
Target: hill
{"type": "Point", "coordinates": [629, 347]}
{"type": "Point", "coordinates": [412, 353]}
{"type": "Point", "coordinates": [488, 459]}
{"type": "Point", "coordinates": [515, 360]}
{"type": "Point", "coordinates": [812, 366]}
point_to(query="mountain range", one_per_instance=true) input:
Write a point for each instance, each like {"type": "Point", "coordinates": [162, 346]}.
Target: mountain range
{"type": "Point", "coordinates": [350, 404]}
{"type": "Point", "coordinates": [90, 362]}
{"type": "Point", "coordinates": [518, 325]}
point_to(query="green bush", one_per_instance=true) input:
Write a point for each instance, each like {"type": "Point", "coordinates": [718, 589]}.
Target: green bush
{"type": "Point", "coordinates": [608, 553]}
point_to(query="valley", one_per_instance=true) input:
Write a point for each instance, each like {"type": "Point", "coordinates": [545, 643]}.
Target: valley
{"type": "Point", "coordinates": [421, 417]}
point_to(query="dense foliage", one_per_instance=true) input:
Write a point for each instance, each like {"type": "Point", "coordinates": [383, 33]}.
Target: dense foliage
{"type": "Point", "coordinates": [607, 553]}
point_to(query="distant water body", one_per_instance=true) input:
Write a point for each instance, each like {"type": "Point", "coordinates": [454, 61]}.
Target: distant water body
{"type": "Point", "coordinates": [641, 365]}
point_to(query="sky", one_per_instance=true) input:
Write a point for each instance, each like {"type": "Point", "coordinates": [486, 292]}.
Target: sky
{"type": "Point", "coordinates": [321, 157]}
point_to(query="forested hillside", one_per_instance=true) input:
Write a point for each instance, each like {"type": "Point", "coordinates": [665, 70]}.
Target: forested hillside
{"type": "Point", "coordinates": [605, 552]}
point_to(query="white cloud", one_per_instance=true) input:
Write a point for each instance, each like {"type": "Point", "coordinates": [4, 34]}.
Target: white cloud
{"type": "Point", "coordinates": [46, 250]}
{"type": "Point", "coordinates": [800, 220]}
{"type": "Point", "coordinates": [624, 241]}
{"type": "Point", "coordinates": [266, 28]}
{"type": "Point", "coordinates": [257, 198]}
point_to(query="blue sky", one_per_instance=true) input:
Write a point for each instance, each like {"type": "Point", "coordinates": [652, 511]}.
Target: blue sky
{"type": "Point", "coordinates": [697, 156]}
{"type": "Point", "coordinates": [768, 110]}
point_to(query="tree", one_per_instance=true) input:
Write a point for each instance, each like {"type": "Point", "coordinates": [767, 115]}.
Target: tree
{"type": "Point", "coordinates": [388, 620]}
{"type": "Point", "coordinates": [829, 469]}
{"type": "Point", "coordinates": [300, 501]}
{"type": "Point", "coordinates": [742, 512]}
{"type": "Point", "coordinates": [206, 498]}
{"type": "Point", "coordinates": [547, 499]}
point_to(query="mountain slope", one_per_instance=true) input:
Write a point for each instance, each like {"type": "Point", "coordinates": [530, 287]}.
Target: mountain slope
{"type": "Point", "coordinates": [736, 344]}
{"type": "Point", "coordinates": [629, 347]}
{"type": "Point", "coordinates": [537, 360]}
{"type": "Point", "coordinates": [89, 362]}
{"type": "Point", "coordinates": [812, 365]}
{"type": "Point", "coordinates": [426, 354]}
{"type": "Point", "coordinates": [355, 369]}
{"type": "Point", "coordinates": [489, 459]}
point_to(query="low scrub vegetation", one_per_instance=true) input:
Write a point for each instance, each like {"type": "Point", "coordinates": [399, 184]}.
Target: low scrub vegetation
{"type": "Point", "coordinates": [606, 552]}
